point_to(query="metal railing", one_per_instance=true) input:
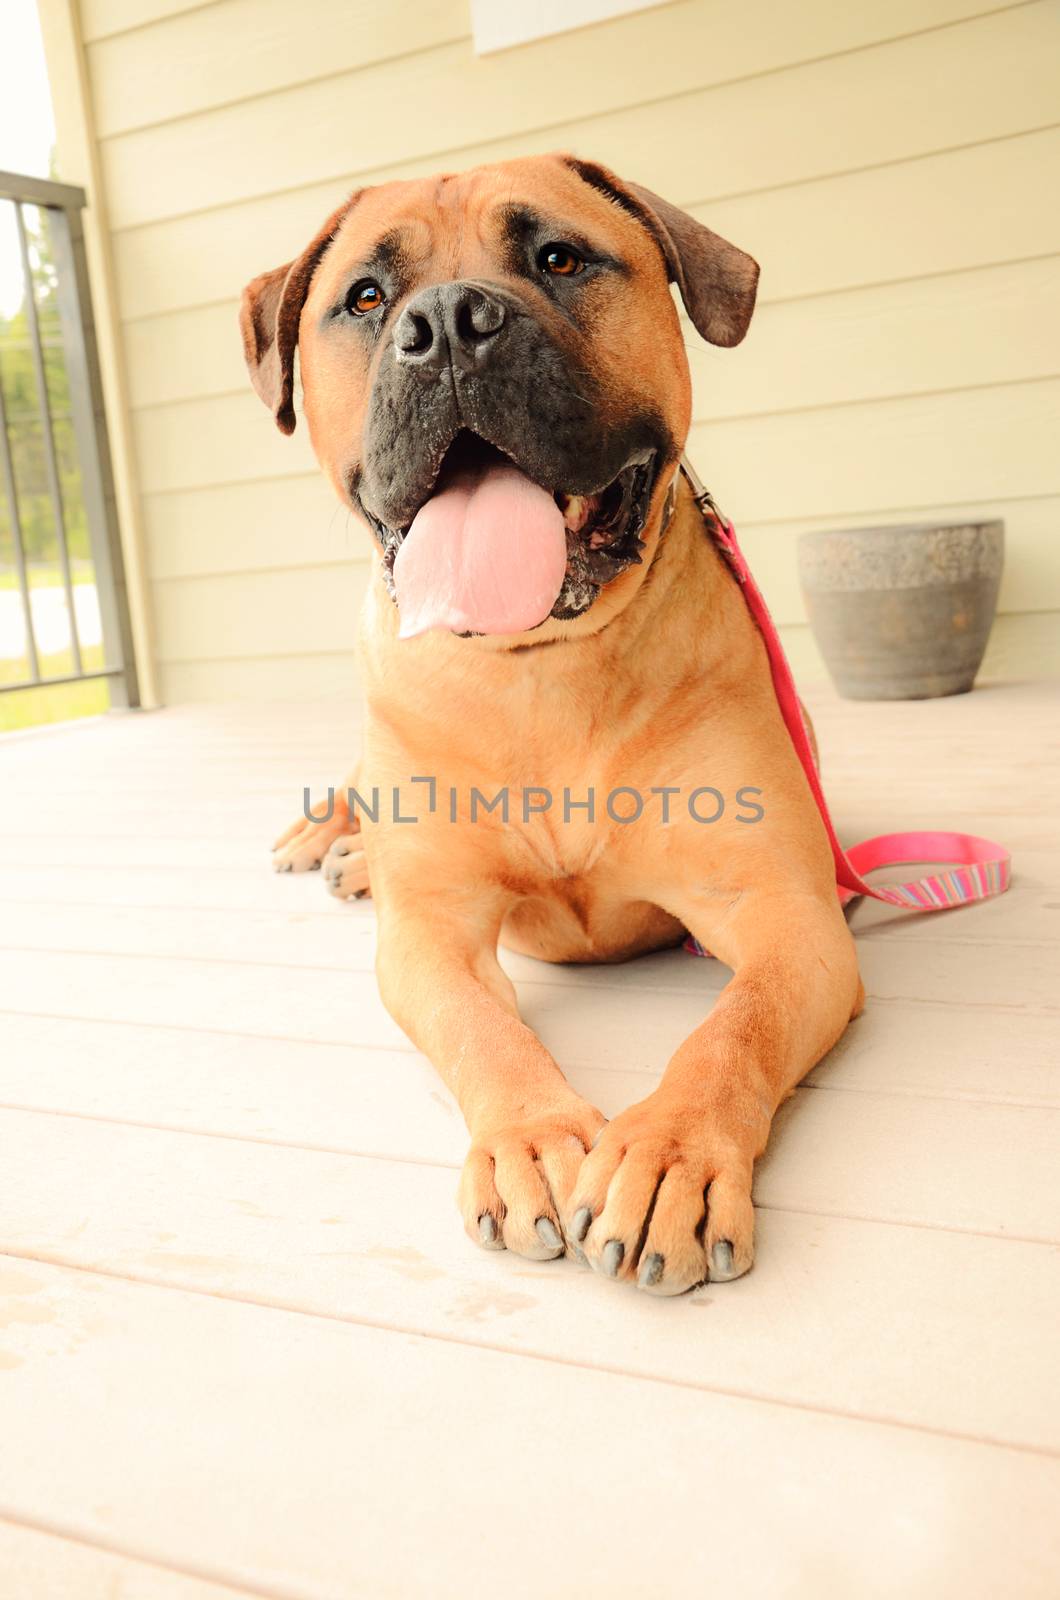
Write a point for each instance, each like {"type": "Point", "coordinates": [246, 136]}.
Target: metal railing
{"type": "Point", "coordinates": [88, 477]}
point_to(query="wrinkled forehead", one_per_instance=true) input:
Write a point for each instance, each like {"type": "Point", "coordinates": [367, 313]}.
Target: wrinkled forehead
{"type": "Point", "coordinates": [462, 222]}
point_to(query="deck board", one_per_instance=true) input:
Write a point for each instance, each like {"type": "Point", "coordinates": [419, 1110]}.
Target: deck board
{"type": "Point", "coordinates": [40, 1565]}
{"type": "Point", "coordinates": [296, 1442]}
{"type": "Point", "coordinates": [375, 1242]}
{"type": "Point", "coordinates": [226, 1203]}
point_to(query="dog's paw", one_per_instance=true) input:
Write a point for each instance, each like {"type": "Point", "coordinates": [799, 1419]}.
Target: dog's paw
{"type": "Point", "coordinates": [518, 1177]}
{"type": "Point", "coordinates": [303, 846]}
{"type": "Point", "coordinates": [345, 869]}
{"type": "Point", "coordinates": [664, 1200]}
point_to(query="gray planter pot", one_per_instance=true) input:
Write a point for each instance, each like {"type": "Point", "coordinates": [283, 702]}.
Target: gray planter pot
{"type": "Point", "coordinates": [902, 613]}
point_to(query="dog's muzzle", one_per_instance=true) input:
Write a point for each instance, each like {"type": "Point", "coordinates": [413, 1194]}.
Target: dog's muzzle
{"type": "Point", "coordinates": [471, 374]}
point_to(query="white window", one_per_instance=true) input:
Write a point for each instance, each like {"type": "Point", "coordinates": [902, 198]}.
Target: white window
{"type": "Point", "coordinates": [496, 24]}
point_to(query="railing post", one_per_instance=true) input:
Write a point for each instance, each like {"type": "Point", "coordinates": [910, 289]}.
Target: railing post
{"type": "Point", "coordinates": [51, 463]}
{"type": "Point", "coordinates": [7, 472]}
{"type": "Point", "coordinates": [93, 447]}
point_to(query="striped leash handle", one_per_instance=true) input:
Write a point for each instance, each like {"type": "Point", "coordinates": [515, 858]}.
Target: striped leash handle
{"type": "Point", "coordinates": [978, 869]}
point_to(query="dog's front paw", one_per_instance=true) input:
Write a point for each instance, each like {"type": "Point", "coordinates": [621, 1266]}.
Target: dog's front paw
{"type": "Point", "coordinates": [303, 846]}
{"type": "Point", "coordinates": [519, 1175]}
{"type": "Point", "coordinates": [665, 1198]}
{"type": "Point", "coordinates": [345, 868]}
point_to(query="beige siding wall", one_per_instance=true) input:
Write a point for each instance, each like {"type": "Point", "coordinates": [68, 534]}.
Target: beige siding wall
{"type": "Point", "coordinates": [894, 164]}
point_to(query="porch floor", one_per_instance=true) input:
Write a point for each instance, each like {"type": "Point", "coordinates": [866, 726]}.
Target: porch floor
{"type": "Point", "coordinates": [246, 1347]}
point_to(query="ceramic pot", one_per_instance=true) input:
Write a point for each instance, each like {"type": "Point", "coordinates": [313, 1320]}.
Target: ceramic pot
{"type": "Point", "coordinates": [902, 613]}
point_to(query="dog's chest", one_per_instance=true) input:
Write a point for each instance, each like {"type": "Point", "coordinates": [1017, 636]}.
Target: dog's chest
{"type": "Point", "coordinates": [563, 849]}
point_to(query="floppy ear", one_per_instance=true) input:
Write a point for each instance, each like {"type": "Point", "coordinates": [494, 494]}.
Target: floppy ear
{"type": "Point", "coordinates": [717, 281]}
{"type": "Point", "coordinates": [269, 313]}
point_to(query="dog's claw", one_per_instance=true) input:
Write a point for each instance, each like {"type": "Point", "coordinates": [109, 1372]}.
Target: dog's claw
{"type": "Point", "coordinates": [651, 1270]}
{"type": "Point", "coordinates": [721, 1261]}
{"type": "Point", "coordinates": [581, 1222]}
{"type": "Point", "coordinates": [611, 1260]}
{"type": "Point", "coordinates": [546, 1232]}
{"type": "Point", "coordinates": [487, 1229]}
{"type": "Point", "coordinates": [578, 1254]}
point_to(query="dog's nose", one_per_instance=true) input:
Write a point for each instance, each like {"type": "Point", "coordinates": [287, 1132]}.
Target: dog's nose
{"type": "Point", "coordinates": [457, 322]}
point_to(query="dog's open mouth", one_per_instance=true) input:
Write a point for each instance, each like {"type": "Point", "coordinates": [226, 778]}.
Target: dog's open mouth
{"type": "Point", "coordinates": [489, 551]}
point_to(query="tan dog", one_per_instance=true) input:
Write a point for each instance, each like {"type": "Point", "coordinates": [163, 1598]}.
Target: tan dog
{"type": "Point", "coordinates": [447, 328]}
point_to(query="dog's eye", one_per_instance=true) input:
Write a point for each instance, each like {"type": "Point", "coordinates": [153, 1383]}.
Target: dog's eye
{"type": "Point", "coordinates": [364, 297]}
{"type": "Point", "coordinates": [561, 260]}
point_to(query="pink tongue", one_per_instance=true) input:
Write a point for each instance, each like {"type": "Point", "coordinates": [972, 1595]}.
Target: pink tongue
{"type": "Point", "coordinates": [485, 555]}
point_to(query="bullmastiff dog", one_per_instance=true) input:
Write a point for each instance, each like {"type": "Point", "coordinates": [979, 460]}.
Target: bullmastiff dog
{"type": "Point", "coordinates": [495, 383]}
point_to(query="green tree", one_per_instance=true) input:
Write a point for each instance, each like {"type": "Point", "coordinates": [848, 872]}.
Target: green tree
{"type": "Point", "coordinates": [24, 422]}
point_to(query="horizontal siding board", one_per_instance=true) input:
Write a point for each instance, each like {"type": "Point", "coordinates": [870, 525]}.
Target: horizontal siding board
{"type": "Point", "coordinates": [746, 50]}
{"type": "Point", "coordinates": [942, 213]}
{"type": "Point", "coordinates": [101, 18]}
{"type": "Point", "coordinates": [265, 613]}
{"type": "Point", "coordinates": [938, 448]}
{"type": "Point", "coordinates": [282, 522]}
{"type": "Point", "coordinates": [742, 132]}
{"type": "Point", "coordinates": [186, 355]}
{"type": "Point", "coordinates": [186, 64]}
{"type": "Point", "coordinates": [899, 100]}
{"type": "Point", "coordinates": [1022, 646]}
{"type": "Point", "coordinates": [294, 522]}
{"type": "Point", "coordinates": [243, 48]}
{"type": "Point", "coordinates": [227, 439]}
{"type": "Point", "coordinates": [897, 222]}
{"type": "Point", "coordinates": [1026, 646]}
{"type": "Point", "coordinates": [329, 677]}
{"type": "Point", "coordinates": [993, 325]}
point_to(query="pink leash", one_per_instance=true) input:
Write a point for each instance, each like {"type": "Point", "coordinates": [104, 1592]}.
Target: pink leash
{"type": "Point", "coordinates": [980, 868]}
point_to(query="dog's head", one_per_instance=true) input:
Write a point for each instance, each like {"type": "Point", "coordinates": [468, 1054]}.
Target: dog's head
{"type": "Point", "coordinates": [498, 349]}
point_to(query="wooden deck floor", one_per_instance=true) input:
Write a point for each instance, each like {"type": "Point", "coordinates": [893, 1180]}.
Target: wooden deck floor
{"type": "Point", "coordinates": [245, 1346]}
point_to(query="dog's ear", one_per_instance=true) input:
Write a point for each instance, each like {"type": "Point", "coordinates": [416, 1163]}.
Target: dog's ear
{"type": "Point", "coordinates": [269, 313]}
{"type": "Point", "coordinates": [717, 281]}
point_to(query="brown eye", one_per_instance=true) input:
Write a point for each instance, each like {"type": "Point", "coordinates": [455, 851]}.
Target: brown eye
{"type": "Point", "coordinates": [365, 297]}
{"type": "Point", "coordinates": [560, 260]}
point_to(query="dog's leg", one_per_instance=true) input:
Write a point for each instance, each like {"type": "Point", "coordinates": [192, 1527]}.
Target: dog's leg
{"type": "Point", "coordinates": [665, 1197]}
{"type": "Point", "coordinates": [441, 981]}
